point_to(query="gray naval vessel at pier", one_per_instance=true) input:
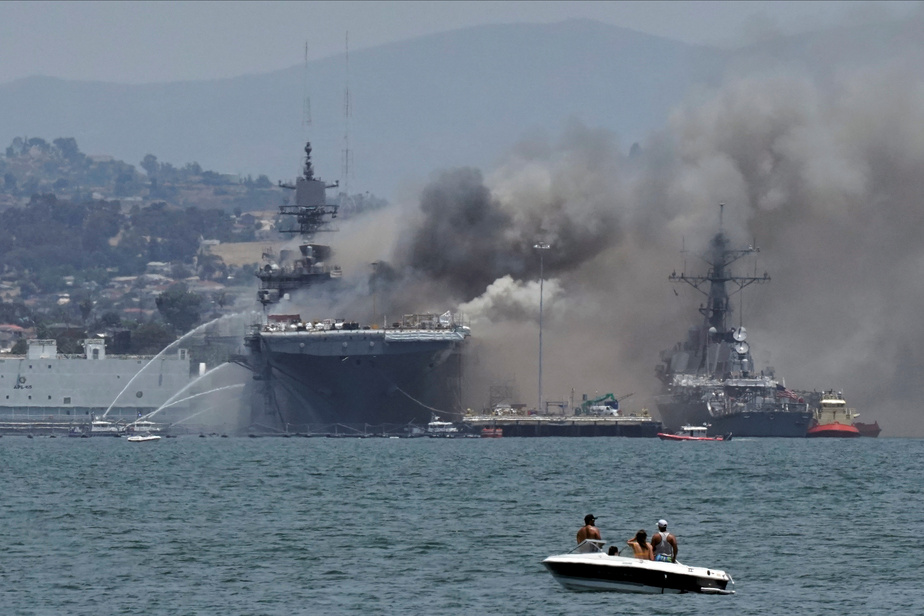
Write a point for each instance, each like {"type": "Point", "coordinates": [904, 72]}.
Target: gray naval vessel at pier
{"type": "Point", "coordinates": [710, 377]}
{"type": "Point", "coordinates": [313, 374]}
{"type": "Point", "coordinates": [94, 392]}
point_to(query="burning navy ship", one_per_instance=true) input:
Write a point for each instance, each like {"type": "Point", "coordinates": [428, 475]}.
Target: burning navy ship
{"type": "Point", "coordinates": [710, 378]}
{"type": "Point", "coordinates": [329, 374]}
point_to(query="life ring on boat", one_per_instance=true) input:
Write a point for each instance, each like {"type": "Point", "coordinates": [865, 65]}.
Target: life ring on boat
{"type": "Point", "coordinates": [22, 380]}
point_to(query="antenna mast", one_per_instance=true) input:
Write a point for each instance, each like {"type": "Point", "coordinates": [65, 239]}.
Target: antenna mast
{"type": "Point", "coordinates": [306, 109]}
{"type": "Point", "coordinates": [347, 162]}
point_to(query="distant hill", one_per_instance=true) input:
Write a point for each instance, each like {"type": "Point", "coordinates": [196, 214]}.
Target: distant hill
{"type": "Point", "coordinates": [455, 98]}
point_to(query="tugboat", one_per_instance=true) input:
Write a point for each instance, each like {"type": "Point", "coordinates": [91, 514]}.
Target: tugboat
{"type": "Point", "coordinates": [833, 419]}
{"type": "Point", "coordinates": [710, 378]}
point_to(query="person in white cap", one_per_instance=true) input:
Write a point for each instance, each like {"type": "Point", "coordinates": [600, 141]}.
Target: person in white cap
{"type": "Point", "coordinates": [664, 544]}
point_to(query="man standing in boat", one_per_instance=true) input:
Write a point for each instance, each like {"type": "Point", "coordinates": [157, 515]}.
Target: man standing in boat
{"type": "Point", "coordinates": [664, 544]}
{"type": "Point", "coordinates": [588, 531]}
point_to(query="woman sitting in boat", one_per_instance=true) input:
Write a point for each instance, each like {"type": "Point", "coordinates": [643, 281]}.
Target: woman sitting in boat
{"type": "Point", "coordinates": [640, 546]}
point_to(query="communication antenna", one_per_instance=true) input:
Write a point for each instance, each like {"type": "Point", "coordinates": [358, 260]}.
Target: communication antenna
{"type": "Point", "coordinates": [347, 163]}
{"type": "Point", "coordinates": [306, 108]}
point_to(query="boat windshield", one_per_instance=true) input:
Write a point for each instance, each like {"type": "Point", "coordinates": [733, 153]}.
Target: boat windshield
{"type": "Point", "coordinates": [588, 545]}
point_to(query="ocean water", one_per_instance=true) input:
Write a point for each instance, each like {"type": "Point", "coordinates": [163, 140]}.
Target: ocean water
{"type": "Point", "coordinates": [431, 526]}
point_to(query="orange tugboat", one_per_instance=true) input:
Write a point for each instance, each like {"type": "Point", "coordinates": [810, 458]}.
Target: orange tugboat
{"type": "Point", "coordinates": [833, 418]}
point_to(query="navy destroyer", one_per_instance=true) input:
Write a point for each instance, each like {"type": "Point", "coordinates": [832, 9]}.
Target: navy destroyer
{"type": "Point", "coordinates": [332, 375]}
{"type": "Point", "coordinates": [710, 377]}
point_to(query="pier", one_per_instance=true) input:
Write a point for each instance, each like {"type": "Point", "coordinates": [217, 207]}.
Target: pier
{"type": "Point", "coordinates": [546, 425]}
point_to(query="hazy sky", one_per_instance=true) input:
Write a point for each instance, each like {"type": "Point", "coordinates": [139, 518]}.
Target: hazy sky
{"type": "Point", "coordinates": [139, 42]}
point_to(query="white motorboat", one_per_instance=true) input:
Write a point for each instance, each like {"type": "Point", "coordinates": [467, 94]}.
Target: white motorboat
{"type": "Point", "coordinates": [143, 438]}
{"type": "Point", "coordinates": [141, 426]}
{"type": "Point", "coordinates": [442, 429]}
{"type": "Point", "coordinates": [101, 427]}
{"type": "Point", "coordinates": [589, 567]}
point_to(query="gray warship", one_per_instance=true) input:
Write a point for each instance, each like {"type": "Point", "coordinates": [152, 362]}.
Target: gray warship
{"type": "Point", "coordinates": [49, 391]}
{"type": "Point", "coordinates": [710, 377]}
{"type": "Point", "coordinates": [332, 375]}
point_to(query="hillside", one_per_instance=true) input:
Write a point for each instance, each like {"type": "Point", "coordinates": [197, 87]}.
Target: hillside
{"type": "Point", "coordinates": [455, 98]}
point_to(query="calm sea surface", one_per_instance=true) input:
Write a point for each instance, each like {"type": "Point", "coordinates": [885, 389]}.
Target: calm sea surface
{"type": "Point", "coordinates": [430, 526]}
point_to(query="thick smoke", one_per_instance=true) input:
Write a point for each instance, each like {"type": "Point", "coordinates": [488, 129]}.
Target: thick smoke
{"type": "Point", "coordinates": [824, 173]}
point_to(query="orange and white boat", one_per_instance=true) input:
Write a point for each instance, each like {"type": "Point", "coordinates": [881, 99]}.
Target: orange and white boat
{"type": "Point", "coordinates": [833, 419]}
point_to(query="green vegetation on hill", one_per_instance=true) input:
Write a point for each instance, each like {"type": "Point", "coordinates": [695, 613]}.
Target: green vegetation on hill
{"type": "Point", "coordinates": [49, 238]}
{"type": "Point", "coordinates": [34, 166]}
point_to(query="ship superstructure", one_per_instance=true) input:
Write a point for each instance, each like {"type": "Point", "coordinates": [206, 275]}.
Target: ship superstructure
{"type": "Point", "coordinates": [289, 271]}
{"type": "Point", "coordinates": [313, 373]}
{"type": "Point", "coordinates": [710, 377]}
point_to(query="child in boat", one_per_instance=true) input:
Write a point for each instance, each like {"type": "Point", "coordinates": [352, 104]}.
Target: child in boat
{"type": "Point", "coordinates": [640, 546]}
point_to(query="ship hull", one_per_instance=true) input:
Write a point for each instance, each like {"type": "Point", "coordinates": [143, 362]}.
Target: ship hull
{"type": "Point", "coordinates": [785, 424]}
{"type": "Point", "coordinates": [310, 381]}
{"type": "Point", "coordinates": [833, 430]}
{"type": "Point", "coordinates": [769, 422]}
{"type": "Point", "coordinates": [678, 413]}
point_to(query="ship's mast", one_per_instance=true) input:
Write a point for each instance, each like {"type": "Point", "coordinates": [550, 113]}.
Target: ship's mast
{"type": "Point", "coordinates": [347, 154]}
{"type": "Point", "coordinates": [311, 210]}
{"type": "Point", "coordinates": [719, 258]}
{"type": "Point", "coordinates": [308, 172]}
{"type": "Point", "coordinates": [306, 108]}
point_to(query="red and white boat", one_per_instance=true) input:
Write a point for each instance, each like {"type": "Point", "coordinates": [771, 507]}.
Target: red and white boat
{"type": "Point", "coordinates": [692, 433]}
{"type": "Point", "coordinates": [833, 419]}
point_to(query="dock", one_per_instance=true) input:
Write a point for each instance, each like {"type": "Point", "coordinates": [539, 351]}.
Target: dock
{"type": "Point", "coordinates": [641, 426]}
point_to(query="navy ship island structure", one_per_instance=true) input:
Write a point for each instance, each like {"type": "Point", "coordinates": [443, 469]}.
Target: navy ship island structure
{"type": "Point", "coordinates": [710, 377]}
{"type": "Point", "coordinates": [330, 375]}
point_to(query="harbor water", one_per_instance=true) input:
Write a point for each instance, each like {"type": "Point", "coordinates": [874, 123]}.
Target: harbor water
{"type": "Point", "coordinates": [450, 526]}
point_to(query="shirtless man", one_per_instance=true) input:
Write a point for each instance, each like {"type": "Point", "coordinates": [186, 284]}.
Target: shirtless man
{"type": "Point", "coordinates": [664, 544]}
{"type": "Point", "coordinates": [588, 531]}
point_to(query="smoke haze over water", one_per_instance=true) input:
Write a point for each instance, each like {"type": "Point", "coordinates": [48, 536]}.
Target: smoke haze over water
{"type": "Point", "coordinates": [826, 175]}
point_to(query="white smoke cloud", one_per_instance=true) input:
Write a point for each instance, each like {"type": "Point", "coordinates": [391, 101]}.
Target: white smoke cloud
{"type": "Point", "coordinates": [507, 299]}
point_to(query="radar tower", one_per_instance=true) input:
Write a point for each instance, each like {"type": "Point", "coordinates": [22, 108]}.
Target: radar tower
{"type": "Point", "coordinates": [720, 257]}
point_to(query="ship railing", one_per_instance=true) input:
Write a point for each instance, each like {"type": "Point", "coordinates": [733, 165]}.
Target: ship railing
{"type": "Point", "coordinates": [422, 335]}
{"type": "Point", "coordinates": [735, 406]}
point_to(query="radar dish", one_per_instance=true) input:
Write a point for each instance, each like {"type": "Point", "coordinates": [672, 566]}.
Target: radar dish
{"type": "Point", "coordinates": [740, 334]}
{"type": "Point", "coordinates": [741, 348]}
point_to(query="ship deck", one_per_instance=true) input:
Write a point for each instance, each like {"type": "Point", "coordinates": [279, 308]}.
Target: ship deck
{"type": "Point", "coordinates": [388, 335]}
